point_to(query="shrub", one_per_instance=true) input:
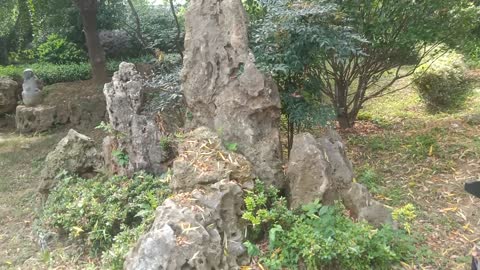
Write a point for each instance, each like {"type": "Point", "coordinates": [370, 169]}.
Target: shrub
{"type": "Point", "coordinates": [49, 73]}
{"type": "Point", "coordinates": [104, 213]}
{"type": "Point", "coordinates": [58, 50]}
{"type": "Point", "coordinates": [54, 73]}
{"type": "Point", "coordinates": [319, 237]}
{"type": "Point", "coordinates": [443, 85]}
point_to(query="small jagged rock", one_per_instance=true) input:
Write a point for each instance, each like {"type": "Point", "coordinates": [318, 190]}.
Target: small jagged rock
{"type": "Point", "coordinates": [8, 95]}
{"type": "Point", "coordinates": [74, 154]}
{"type": "Point", "coordinates": [308, 171]}
{"type": "Point", "coordinates": [377, 214]}
{"type": "Point", "coordinates": [225, 91]}
{"type": "Point", "coordinates": [138, 135]}
{"type": "Point", "coordinates": [35, 119]}
{"type": "Point", "coordinates": [204, 160]}
{"type": "Point", "coordinates": [319, 169]}
{"type": "Point", "coordinates": [194, 230]}
{"type": "Point", "coordinates": [473, 119]}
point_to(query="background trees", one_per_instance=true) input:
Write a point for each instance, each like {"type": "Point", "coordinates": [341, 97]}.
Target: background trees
{"type": "Point", "coordinates": [352, 51]}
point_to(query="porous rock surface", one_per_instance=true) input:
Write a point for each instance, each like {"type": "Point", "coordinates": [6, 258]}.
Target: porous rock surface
{"type": "Point", "coordinates": [198, 228]}
{"type": "Point", "coordinates": [34, 119]}
{"type": "Point", "coordinates": [225, 91]}
{"type": "Point", "coordinates": [195, 230]}
{"type": "Point", "coordinates": [8, 95]}
{"type": "Point", "coordinates": [137, 135]}
{"type": "Point", "coordinates": [319, 169]}
{"type": "Point", "coordinates": [74, 154]}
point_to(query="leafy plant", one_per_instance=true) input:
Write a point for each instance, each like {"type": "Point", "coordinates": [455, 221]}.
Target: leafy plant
{"type": "Point", "coordinates": [346, 47]}
{"type": "Point", "coordinates": [233, 147]}
{"type": "Point", "coordinates": [105, 127]}
{"type": "Point", "coordinates": [120, 157]}
{"type": "Point", "coordinates": [58, 50]}
{"type": "Point", "coordinates": [104, 214]}
{"type": "Point", "coordinates": [443, 85]}
{"type": "Point", "coordinates": [405, 215]}
{"type": "Point", "coordinates": [316, 236]}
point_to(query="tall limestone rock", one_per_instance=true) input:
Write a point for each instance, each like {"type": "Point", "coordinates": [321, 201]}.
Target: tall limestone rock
{"type": "Point", "coordinates": [225, 91]}
{"type": "Point", "coordinates": [137, 136]}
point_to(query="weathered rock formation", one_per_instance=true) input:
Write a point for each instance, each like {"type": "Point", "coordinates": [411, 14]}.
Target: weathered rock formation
{"type": "Point", "coordinates": [34, 119]}
{"type": "Point", "coordinates": [225, 91]}
{"type": "Point", "coordinates": [75, 154]}
{"type": "Point", "coordinates": [198, 228]}
{"type": "Point", "coordinates": [137, 136]}
{"type": "Point", "coordinates": [8, 95]}
{"type": "Point", "coordinates": [320, 169]}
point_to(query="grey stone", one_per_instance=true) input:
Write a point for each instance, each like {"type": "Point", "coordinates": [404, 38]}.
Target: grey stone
{"type": "Point", "coordinates": [473, 119]}
{"type": "Point", "coordinates": [377, 214]}
{"type": "Point", "coordinates": [225, 92]}
{"type": "Point", "coordinates": [194, 230]}
{"type": "Point", "coordinates": [138, 135]}
{"type": "Point", "coordinates": [308, 171]}
{"type": "Point", "coordinates": [75, 154]}
{"type": "Point", "coordinates": [32, 89]}
{"type": "Point", "coordinates": [34, 119]}
{"type": "Point", "coordinates": [319, 169]}
{"type": "Point", "coordinates": [8, 95]}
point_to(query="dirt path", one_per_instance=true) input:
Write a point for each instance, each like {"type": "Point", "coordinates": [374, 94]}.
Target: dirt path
{"type": "Point", "coordinates": [21, 158]}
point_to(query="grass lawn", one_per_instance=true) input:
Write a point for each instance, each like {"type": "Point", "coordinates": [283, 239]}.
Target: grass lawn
{"type": "Point", "coordinates": [406, 155]}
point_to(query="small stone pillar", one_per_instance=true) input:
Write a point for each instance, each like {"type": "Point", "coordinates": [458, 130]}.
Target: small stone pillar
{"type": "Point", "coordinates": [34, 119]}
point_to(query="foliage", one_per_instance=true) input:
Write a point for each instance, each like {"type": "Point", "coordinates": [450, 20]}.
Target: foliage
{"type": "Point", "coordinates": [157, 26]}
{"type": "Point", "coordinates": [58, 50]}
{"type": "Point", "coordinates": [370, 178]}
{"type": "Point", "coordinates": [52, 73]}
{"type": "Point", "coordinates": [405, 215]}
{"type": "Point", "coordinates": [102, 212]}
{"type": "Point", "coordinates": [121, 157]}
{"type": "Point", "coordinates": [348, 47]}
{"type": "Point", "coordinates": [443, 85]}
{"type": "Point", "coordinates": [319, 237]}
{"type": "Point", "coordinates": [49, 73]}
{"type": "Point", "coordinates": [166, 79]}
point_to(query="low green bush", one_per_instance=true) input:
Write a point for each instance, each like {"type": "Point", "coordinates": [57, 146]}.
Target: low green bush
{"type": "Point", "coordinates": [443, 84]}
{"type": "Point", "coordinates": [49, 73]}
{"type": "Point", "coordinates": [104, 214]}
{"type": "Point", "coordinates": [59, 50]}
{"type": "Point", "coordinates": [54, 73]}
{"type": "Point", "coordinates": [318, 237]}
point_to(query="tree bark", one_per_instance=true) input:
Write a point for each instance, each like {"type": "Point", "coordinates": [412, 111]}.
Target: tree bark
{"type": "Point", "coordinates": [179, 45]}
{"type": "Point", "coordinates": [96, 54]}
{"type": "Point", "coordinates": [3, 51]}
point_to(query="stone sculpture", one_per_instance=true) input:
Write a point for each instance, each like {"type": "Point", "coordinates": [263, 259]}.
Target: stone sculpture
{"type": "Point", "coordinates": [32, 89]}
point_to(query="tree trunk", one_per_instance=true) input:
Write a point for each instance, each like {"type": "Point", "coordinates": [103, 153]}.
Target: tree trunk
{"type": "Point", "coordinates": [343, 118]}
{"type": "Point", "coordinates": [3, 51]}
{"type": "Point", "coordinates": [344, 121]}
{"type": "Point", "coordinates": [179, 45]}
{"type": "Point", "coordinates": [96, 54]}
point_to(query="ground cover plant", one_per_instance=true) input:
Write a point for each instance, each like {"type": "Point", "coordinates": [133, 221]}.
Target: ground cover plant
{"type": "Point", "coordinates": [104, 215]}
